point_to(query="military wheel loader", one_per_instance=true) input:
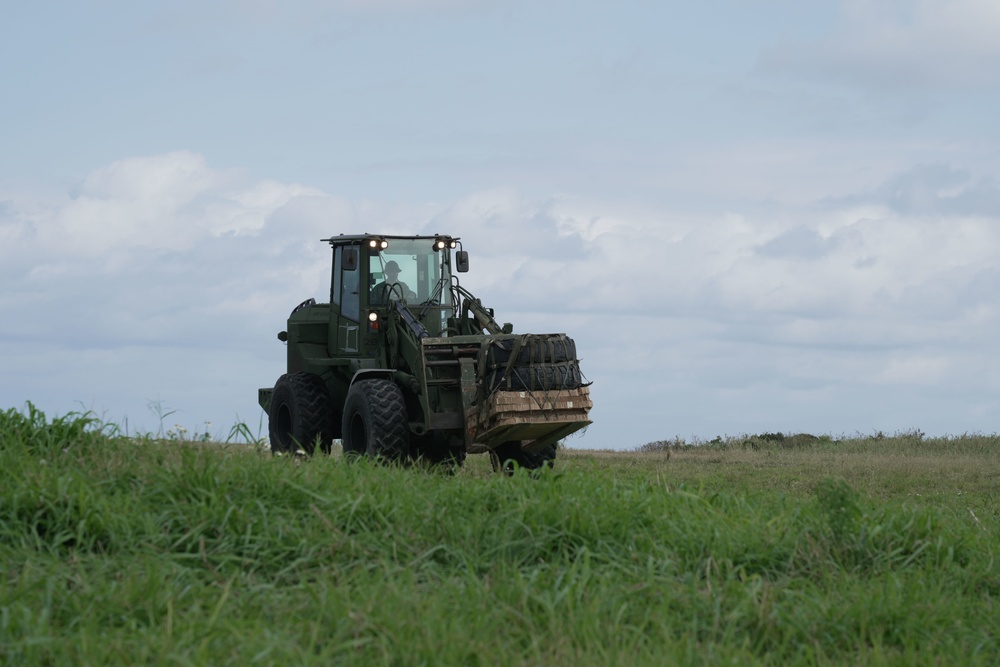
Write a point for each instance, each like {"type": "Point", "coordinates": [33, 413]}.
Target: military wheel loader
{"type": "Point", "coordinates": [404, 364]}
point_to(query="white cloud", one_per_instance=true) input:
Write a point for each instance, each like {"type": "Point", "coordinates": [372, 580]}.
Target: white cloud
{"type": "Point", "coordinates": [145, 248]}
{"type": "Point", "coordinates": [861, 261]}
{"type": "Point", "coordinates": [170, 202]}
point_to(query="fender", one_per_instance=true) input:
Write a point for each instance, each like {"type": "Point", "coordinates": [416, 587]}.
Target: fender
{"type": "Point", "coordinates": [371, 373]}
{"type": "Point", "coordinates": [404, 380]}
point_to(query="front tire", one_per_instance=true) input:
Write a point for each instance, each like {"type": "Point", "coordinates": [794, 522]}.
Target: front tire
{"type": "Point", "coordinates": [299, 414]}
{"type": "Point", "coordinates": [438, 450]}
{"type": "Point", "coordinates": [375, 422]}
{"type": "Point", "coordinates": [508, 457]}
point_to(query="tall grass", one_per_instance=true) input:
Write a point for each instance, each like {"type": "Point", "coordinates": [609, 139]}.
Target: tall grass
{"type": "Point", "coordinates": [124, 551]}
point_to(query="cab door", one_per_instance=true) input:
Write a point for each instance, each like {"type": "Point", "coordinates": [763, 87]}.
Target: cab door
{"type": "Point", "coordinates": [345, 295]}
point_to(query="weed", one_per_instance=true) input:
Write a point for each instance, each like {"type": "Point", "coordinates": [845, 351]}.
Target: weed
{"type": "Point", "coordinates": [160, 412]}
{"type": "Point", "coordinates": [838, 504]}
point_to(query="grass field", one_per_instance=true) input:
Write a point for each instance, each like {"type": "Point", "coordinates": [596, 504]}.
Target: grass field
{"type": "Point", "coordinates": [143, 551]}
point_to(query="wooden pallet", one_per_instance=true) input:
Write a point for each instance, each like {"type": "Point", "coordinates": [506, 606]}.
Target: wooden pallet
{"type": "Point", "coordinates": [536, 418]}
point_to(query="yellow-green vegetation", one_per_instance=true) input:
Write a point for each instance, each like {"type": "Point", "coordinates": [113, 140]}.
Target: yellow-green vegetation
{"type": "Point", "coordinates": [756, 551]}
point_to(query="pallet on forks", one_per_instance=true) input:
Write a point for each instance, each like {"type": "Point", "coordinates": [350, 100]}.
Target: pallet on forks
{"type": "Point", "coordinates": [535, 418]}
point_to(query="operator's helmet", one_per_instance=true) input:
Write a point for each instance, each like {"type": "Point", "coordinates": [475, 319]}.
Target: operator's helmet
{"type": "Point", "coordinates": [391, 267]}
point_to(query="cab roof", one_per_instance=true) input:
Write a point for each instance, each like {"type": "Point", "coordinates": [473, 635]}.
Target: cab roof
{"type": "Point", "coordinates": [354, 238]}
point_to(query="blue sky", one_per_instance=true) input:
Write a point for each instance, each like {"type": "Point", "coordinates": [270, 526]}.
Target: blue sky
{"type": "Point", "coordinates": [752, 215]}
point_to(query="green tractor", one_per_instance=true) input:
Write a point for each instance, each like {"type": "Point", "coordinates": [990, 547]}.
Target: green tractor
{"type": "Point", "coordinates": [404, 364]}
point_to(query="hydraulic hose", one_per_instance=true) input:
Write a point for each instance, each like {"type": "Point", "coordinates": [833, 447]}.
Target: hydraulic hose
{"type": "Point", "coordinates": [413, 323]}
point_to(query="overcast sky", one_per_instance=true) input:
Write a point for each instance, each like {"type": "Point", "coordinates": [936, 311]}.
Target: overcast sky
{"type": "Point", "coordinates": [752, 215]}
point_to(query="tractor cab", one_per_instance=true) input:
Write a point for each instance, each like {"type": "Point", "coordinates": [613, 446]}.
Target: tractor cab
{"type": "Point", "coordinates": [371, 273]}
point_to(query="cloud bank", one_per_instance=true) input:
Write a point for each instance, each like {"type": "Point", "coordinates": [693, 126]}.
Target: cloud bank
{"type": "Point", "coordinates": [161, 278]}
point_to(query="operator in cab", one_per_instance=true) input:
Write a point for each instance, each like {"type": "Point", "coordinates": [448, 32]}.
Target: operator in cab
{"type": "Point", "coordinates": [391, 287]}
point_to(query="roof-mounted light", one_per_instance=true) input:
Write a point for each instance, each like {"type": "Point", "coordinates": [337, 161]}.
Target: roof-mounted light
{"type": "Point", "coordinates": [443, 242]}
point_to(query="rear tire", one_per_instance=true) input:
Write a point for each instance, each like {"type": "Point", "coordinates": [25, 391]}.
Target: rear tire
{"type": "Point", "coordinates": [299, 414]}
{"type": "Point", "coordinates": [509, 457]}
{"type": "Point", "coordinates": [375, 423]}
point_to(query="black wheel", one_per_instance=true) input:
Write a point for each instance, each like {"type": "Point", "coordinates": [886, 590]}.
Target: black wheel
{"type": "Point", "coordinates": [536, 349]}
{"type": "Point", "coordinates": [440, 450]}
{"type": "Point", "coordinates": [299, 415]}
{"type": "Point", "coordinates": [508, 457]}
{"type": "Point", "coordinates": [540, 377]}
{"type": "Point", "coordinates": [375, 423]}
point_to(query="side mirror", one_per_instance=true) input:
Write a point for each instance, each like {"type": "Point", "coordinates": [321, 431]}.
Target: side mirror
{"type": "Point", "coordinates": [462, 261]}
{"type": "Point", "coordinates": [350, 259]}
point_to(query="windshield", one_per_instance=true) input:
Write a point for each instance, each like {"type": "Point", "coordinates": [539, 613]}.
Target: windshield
{"type": "Point", "coordinates": [410, 271]}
